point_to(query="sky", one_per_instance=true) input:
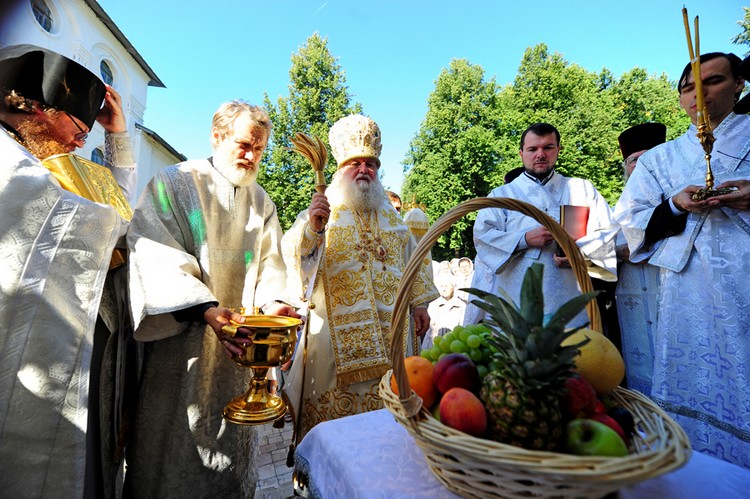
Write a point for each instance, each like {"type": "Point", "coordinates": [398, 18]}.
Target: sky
{"type": "Point", "coordinates": [392, 51]}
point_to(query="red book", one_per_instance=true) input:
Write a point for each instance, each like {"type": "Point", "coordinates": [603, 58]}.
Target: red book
{"type": "Point", "coordinates": [574, 220]}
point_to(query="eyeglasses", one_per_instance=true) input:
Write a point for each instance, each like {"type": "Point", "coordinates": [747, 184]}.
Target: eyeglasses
{"type": "Point", "coordinates": [631, 161]}
{"type": "Point", "coordinates": [79, 136]}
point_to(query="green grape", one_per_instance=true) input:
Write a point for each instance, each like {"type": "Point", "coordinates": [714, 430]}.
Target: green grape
{"type": "Point", "coordinates": [449, 336]}
{"type": "Point", "coordinates": [473, 341]}
{"type": "Point", "coordinates": [486, 355]}
{"type": "Point", "coordinates": [442, 355]}
{"type": "Point", "coordinates": [483, 371]}
{"type": "Point", "coordinates": [464, 334]}
{"type": "Point", "coordinates": [445, 346]}
{"type": "Point", "coordinates": [458, 346]}
{"type": "Point", "coordinates": [475, 354]}
{"type": "Point", "coordinates": [435, 352]}
{"type": "Point", "coordinates": [437, 340]}
{"type": "Point", "coordinates": [457, 330]}
{"type": "Point", "coordinates": [427, 354]}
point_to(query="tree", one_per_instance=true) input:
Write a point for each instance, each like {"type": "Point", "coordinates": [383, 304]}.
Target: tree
{"type": "Point", "coordinates": [453, 155]}
{"type": "Point", "coordinates": [318, 97]}
{"type": "Point", "coordinates": [744, 37]}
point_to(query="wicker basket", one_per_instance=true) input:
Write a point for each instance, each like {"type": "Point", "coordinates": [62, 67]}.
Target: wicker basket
{"type": "Point", "coordinates": [475, 467]}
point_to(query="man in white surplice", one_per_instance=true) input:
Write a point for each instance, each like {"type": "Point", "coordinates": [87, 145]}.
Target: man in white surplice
{"type": "Point", "coordinates": [56, 249]}
{"type": "Point", "coordinates": [702, 249]}
{"type": "Point", "coordinates": [204, 238]}
{"type": "Point", "coordinates": [637, 283]}
{"type": "Point", "coordinates": [354, 263]}
{"type": "Point", "coordinates": [508, 242]}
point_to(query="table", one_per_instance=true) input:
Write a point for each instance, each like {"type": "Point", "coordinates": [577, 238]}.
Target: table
{"type": "Point", "coordinates": [372, 456]}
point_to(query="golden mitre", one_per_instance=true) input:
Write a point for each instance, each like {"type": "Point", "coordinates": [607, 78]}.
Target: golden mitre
{"type": "Point", "coordinates": [354, 136]}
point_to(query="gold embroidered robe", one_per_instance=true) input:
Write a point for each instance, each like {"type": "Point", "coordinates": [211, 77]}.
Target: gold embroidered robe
{"type": "Point", "coordinates": [355, 288]}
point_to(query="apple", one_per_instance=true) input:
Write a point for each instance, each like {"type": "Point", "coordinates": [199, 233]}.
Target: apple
{"type": "Point", "coordinates": [586, 437]}
{"type": "Point", "coordinates": [599, 406]}
{"type": "Point", "coordinates": [462, 410]}
{"type": "Point", "coordinates": [578, 399]}
{"type": "Point", "coordinates": [456, 370]}
{"type": "Point", "coordinates": [603, 418]}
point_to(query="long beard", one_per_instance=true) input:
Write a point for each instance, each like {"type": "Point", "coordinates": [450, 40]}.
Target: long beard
{"type": "Point", "coordinates": [238, 177]}
{"type": "Point", "coordinates": [38, 139]}
{"type": "Point", "coordinates": [357, 195]}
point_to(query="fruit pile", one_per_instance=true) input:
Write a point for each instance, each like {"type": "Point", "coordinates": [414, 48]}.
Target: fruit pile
{"type": "Point", "coordinates": [524, 381]}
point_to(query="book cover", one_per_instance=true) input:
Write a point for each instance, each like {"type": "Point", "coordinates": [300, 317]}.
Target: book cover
{"type": "Point", "coordinates": [574, 220]}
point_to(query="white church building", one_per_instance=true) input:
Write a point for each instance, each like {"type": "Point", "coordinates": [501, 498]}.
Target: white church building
{"type": "Point", "coordinates": [82, 31]}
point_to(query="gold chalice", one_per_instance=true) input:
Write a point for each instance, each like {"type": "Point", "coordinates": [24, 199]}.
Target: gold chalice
{"type": "Point", "coordinates": [272, 339]}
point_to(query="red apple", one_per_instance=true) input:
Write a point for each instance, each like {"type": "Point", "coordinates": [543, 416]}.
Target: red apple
{"type": "Point", "coordinates": [456, 370]}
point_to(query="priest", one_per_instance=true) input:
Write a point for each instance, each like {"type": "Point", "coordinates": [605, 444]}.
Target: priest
{"type": "Point", "coordinates": [348, 251]}
{"type": "Point", "coordinates": [204, 242]}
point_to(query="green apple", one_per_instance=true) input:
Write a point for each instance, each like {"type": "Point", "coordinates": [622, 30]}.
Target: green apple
{"type": "Point", "coordinates": [586, 437]}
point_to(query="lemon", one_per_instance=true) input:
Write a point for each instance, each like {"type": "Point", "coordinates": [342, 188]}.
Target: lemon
{"type": "Point", "coordinates": [599, 361]}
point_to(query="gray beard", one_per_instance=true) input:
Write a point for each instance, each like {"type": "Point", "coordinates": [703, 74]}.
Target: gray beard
{"type": "Point", "coordinates": [358, 195]}
{"type": "Point", "coordinates": [238, 177]}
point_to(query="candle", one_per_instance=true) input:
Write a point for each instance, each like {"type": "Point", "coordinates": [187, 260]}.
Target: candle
{"type": "Point", "coordinates": [695, 64]}
{"type": "Point", "coordinates": [699, 102]}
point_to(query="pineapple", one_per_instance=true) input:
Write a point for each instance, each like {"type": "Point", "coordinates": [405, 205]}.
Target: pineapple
{"type": "Point", "coordinates": [521, 396]}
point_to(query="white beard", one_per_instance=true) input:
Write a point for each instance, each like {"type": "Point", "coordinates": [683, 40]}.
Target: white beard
{"type": "Point", "coordinates": [238, 177]}
{"type": "Point", "coordinates": [356, 195]}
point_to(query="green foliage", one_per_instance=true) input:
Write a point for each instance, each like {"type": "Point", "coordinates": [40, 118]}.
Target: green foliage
{"type": "Point", "coordinates": [318, 97]}
{"type": "Point", "coordinates": [453, 155]}
{"type": "Point", "coordinates": [470, 136]}
{"type": "Point", "coordinates": [744, 37]}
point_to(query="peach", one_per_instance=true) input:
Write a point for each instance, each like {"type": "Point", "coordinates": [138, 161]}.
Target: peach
{"type": "Point", "coordinates": [456, 370]}
{"type": "Point", "coordinates": [462, 410]}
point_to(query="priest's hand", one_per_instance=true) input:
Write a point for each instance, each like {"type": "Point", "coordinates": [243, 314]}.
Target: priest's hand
{"type": "Point", "coordinates": [318, 212]}
{"type": "Point", "coordinates": [111, 117]}
{"type": "Point", "coordinates": [539, 237]}
{"type": "Point", "coordinates": [277, 308]}
{"type": "Point", "coordinates": [561, 262]}
{"type": "Point", "coordinates": [683, 200]}
{"type": "Point", "coordinates": [218, 317]}
{"type": "Point", "coordinates": [421, 320]}
{"type": "Point", "coordinates": [739, 199]}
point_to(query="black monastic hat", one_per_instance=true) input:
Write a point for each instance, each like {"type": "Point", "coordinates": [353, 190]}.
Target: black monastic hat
{"type": "Point", "coordinates": [641, 137]}
{"type": "Point", "coordinates": [743, 105]}
{"type": "Point", "coordinates": [52, 79]}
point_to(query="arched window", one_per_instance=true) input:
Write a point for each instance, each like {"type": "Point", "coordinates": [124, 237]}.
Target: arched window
{"type": "Point", "coordinates": [106, 72]}
{"type": "Point", "coordinates": [97, 156]}
{"type": "Point", "coordinates": [43, 14]}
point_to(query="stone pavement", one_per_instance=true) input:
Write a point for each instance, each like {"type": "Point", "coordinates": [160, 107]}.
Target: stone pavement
{"type": "Point", "coordinates": [274, 477]}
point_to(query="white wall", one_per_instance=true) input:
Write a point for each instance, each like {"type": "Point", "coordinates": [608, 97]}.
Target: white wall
{"type": "Point", "coordinates": [77, 33]}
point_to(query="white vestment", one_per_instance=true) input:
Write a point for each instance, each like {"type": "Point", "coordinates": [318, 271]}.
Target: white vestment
{"type": "Point", "coordinates": [702, 345]}
{"type": "Point", "coordinates": [636, 296]}
{"type": "Point", "coordinates": [55, 249]}
{"type": "Point", "coordinates": [350, 325]}
{"type": "Point", "coordinates": [195, 238]}
{"type": "Point", "coordinates": [502, 264]}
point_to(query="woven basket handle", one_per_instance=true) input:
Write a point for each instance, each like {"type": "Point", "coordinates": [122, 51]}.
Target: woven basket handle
{"type": "Point", "coordinates": [413, 266]}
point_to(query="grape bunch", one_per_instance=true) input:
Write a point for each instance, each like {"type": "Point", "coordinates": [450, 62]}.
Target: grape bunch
{"type": "Point", "coordinates": [470, 341]}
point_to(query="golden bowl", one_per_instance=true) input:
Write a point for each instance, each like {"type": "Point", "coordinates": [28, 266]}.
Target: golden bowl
{"type": "Point", "coordinates": [271, 343]}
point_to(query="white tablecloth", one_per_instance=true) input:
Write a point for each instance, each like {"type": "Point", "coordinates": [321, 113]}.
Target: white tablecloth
{"type": "Point", "coordinates": [372, 456]}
